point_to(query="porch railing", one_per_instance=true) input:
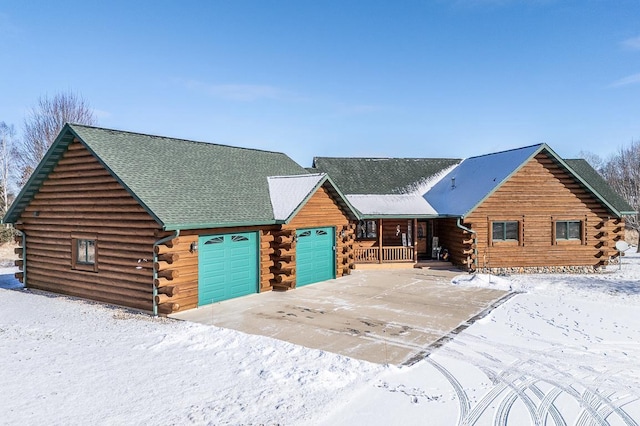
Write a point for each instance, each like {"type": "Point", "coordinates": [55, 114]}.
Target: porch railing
{"type": "Point", "coordinates": [389, 254]}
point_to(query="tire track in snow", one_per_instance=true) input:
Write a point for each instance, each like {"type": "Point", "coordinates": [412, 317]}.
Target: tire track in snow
{"type": "Point", "coordinates": [621, 402]}
{"type": "Point", "coordinates": [463, 399]}
{"type": "Point", "coordinates": [604, 407]}
{"type": "Point", "coordinates": [516, 392]}
{"type": "Point", "coordinates": [547, 405]}
{"type": "Point", "coordinates": [481, 407]}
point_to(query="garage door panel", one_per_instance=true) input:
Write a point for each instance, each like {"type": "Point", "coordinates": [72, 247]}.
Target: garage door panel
{"type": "Point", "coordinates": [315, 256]}
{"type": "Point", "coordinates": [228, 266]}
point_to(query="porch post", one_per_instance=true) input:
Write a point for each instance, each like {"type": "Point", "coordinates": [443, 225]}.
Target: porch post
{"type": "Point", "coordinates": [415, 239]}
{"type": "Point", "coordinates": [380, 241]}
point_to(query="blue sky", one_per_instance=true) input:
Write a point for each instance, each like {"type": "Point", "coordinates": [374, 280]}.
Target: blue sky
{"type": "Point", "coordinates": [337, 78]}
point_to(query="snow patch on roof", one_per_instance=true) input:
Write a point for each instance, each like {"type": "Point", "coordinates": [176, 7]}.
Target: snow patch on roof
{"type": "Point", "coordinates": [386, 204]}
{"type": "Point", "coordinates": [422, 186]}
{"type": "Point", "coordinates": [410, 201]}
{"type": "Point", "coordinates": [288, 192]}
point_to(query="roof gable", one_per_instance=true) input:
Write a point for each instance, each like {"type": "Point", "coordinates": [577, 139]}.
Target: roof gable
{"type": "Point", "coordinates": [289, 193]}
{"type": "Point", "coordinates": [476, 178]}
{"type": "Point", "coordinates": [183, 184]}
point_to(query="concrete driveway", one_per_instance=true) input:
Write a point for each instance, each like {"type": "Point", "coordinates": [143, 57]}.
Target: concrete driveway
{"type": "Point", "coordinates": [382, 316]}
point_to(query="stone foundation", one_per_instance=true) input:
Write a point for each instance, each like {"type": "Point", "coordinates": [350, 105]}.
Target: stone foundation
{"type": "Point", "coordinates": [543, 270]}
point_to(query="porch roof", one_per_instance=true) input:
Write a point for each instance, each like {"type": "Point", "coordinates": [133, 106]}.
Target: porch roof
{"type": "Point", "coordinates": [391, 205]}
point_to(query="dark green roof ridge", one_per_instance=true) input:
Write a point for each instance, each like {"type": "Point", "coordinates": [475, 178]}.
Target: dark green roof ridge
{"type": "Point", "coordinates": [151, 135]}
{"type": "Point", "coordinates": [591, 176]}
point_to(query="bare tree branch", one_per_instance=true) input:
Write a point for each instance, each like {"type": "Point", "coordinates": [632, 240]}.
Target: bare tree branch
{"type": "Point", "coordinates": [622, 172]}
{"type": "Point", "coordinates": [42, 125]}
{"type": "Point", "coordinates": [7, 141]}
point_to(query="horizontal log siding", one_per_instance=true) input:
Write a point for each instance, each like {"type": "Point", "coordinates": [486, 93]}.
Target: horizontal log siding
{"type": "Point", "coordinates": [321, 211]}
{"type": "Point", "coordinates": [451, 237]}
{"type": "Point", "coordinates": [390, 228]}
{"type": "Point", "coordinates": [536, 195]}
{"type": "Point", "coordinates": [81, 198]}
{"type": "Point", "coordinates": [187, 264]}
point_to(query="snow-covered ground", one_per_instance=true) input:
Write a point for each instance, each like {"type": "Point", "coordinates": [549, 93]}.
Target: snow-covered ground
{"type": "Point", "coordinates": [564, 351]}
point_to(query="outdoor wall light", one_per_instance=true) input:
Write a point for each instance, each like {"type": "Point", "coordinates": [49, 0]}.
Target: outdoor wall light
{"type": "Point", "coordinates": [193, 247]}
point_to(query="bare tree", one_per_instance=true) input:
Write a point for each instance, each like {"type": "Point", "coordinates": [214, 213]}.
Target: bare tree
{"type": "Point", "coordinates": [622, 172]}
{"type": "Point", "coordinates": [7, 140]}
{"type": "Point", "coordinates": [593, 159]}
{"type": "Point", "coordinates": [42, 125]}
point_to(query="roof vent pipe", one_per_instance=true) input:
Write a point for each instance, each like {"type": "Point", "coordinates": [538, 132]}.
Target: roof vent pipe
{"type": "Point", "coordinates": [453, 182]}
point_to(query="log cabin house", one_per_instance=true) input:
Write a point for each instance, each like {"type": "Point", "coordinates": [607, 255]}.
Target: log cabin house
{"type": "Point", "coordinates": [162, 224]}
{"type": "Point", "coordinates": [522, 210]}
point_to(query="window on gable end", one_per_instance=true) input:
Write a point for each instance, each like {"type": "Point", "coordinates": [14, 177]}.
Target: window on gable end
{"type": "Point", "coordinates": [84, 254]}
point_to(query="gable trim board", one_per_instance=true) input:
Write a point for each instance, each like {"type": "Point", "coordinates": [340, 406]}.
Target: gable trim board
{"type": "Point", "coordinates": [289, 194]}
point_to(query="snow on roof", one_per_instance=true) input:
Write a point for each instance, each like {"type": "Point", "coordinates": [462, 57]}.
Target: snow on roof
{"type": "Point", "coordinates": [388, 204]}
{"type": "Point", "coordinates": [409, 202]}
{"type": "Point", "coordinates": [288, 192]}
{"type": "Point", "coordinates": [464, 187]}
{"type": "Point", "coordinates": [425, 184]}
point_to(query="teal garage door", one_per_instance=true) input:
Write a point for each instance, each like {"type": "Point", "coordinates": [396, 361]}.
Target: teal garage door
{"type": "Point", "coordinates": [315, 256]}
{"type": "Point", "coordinates": [227, 266]}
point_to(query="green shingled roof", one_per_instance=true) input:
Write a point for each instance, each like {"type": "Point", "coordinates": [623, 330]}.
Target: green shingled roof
{"type": "Point", "coordinates": [380, 175]}
{"type": "Point", "coordinates": [599, 185]}
{"type": "Point", "coordinates": [183, 184]}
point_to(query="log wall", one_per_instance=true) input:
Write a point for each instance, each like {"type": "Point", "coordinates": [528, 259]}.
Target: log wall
{"type": "Point", "coordinates": [457, 241]}
{"type": "Point", "coordinates": [277, 266]}
{"type": "Point", "coordinates": [537, 195]}
{"type": "Point", "coordinates": [321, 210]}
{"type": "Point", "coordinates": [80, 198]}
{"type": "Point", "coordinates": [177, 280]}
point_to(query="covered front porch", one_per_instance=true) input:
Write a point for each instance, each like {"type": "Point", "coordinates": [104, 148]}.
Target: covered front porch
{"type": "Point", "coordinates": [395, 240]}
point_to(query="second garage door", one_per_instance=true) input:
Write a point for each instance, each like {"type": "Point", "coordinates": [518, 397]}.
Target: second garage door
{"type": "Point", "coordinates": [227, 266]}
{"type": "Point", "coordinates": [315, 256]}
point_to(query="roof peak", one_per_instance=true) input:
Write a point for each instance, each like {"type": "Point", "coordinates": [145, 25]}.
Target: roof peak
{"type": "Point", "coordinates": [306, 175]}
{"type": "Point", "coordinates": [386, 158]}
{"type": "Point", "coordinates": [508, 150]}
{"type": "Point", "coordinates": [149, 135]}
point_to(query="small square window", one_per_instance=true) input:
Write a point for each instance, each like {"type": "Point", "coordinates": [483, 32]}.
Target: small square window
{"type": "Point", "coordinates": [504, 231]}
{"type": "Point", "coordinates": [568, 230]}
{"type": "Point", "coordinates": [85, 254]}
